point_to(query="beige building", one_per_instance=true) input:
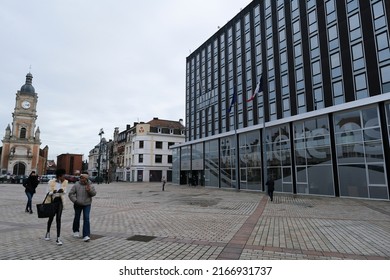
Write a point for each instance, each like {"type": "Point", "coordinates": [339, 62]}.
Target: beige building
{"type": "Point", "coordinates": [21, 153]}
{"type": "Point", "coordinates": [144, 150]}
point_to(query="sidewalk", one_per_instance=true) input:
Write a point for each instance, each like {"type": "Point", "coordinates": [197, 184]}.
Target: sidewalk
{"type": "Point", "coordinates": [138, 221]}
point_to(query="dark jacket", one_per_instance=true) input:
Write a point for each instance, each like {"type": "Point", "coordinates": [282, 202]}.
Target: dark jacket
{"type": "Point", "coordinates": [31, 184]}
{"type": "Point", "coordinates": [271, 185]}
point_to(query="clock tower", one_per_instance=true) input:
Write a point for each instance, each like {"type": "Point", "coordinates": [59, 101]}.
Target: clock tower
{"type": "Point", "coordinates": [21, 152]}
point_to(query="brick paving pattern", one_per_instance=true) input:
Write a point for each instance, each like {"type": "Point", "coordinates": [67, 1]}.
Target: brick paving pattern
{"type": "Point", "coordinates": [197, 223]}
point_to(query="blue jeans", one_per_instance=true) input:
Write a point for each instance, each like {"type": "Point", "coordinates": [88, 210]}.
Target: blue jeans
{"type": "Point", "coordinates": [29, 201]}
{"type": "Point", "coordinates": [76, 221]}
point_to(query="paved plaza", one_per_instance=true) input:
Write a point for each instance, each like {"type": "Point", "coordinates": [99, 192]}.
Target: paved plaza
{"type": "Point", "coordinates": [137, 221]}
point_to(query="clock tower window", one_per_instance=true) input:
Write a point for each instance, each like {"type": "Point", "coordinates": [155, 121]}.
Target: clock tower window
{"type": "Point", "coordinates": [23, 133]}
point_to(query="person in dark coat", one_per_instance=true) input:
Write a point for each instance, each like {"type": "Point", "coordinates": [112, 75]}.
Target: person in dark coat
{"type": "Point", "coordinates": [270, 187]}
{"type": "Point", "coordinates": [164, 181]}
{"type": "Point", "coordinates": [30, 185]}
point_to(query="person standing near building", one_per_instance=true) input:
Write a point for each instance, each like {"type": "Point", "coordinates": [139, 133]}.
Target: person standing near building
{"type": "Point", "coordinates": [30, 185]}
{"type": "Point", "coordinates": [163, 182]}
{"type": "Point", "coordinates": [56, 190]}
{"type": "Point", "coordinates": [270, 187]}
{"type": "Point", "coordinates": [81, 195]}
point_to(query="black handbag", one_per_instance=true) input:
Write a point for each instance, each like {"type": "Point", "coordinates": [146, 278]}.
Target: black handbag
{"type": "Point", "coordinates": [46, 210]}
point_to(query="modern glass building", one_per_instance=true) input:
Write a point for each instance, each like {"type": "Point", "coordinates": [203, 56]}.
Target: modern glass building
{"type": "Point", "coordinates": [319, 125]}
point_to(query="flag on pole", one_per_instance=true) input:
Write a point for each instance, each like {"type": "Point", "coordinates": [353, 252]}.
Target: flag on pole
{"type": "Point", "coordinates": [258, 89]}
{"type": "Point", "coordinates": [233, 99]}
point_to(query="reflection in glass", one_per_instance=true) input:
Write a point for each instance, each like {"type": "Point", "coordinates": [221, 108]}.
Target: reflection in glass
{"type": "Point", "coordinates": [279, 154]}
{"type": "Point", "coordinates": [350, 153]}
{"type": "Point", "coordinates": [313, 156]}
{"type": "Point", "coordinates": [374, 151]}
{"type": "Point", "coordinates": [360, 153]}
{"type": "Point", "coordinates": [379, 192]}
{"type": "Point", "coordinates": [349, 136]}
{"type": "Point", "coordinates": [370, 117]}
{"type": "Point", "coordinates": [353, 181]}
{"type": "Point", "coordinates": [347, 121]}
{"type": "Point", "coordinates": [211, 163]}
{"type": "Point", "coordinates": [301, 174]}
{"type": "Point", "coordinates": [376, 174]}
{"type": "Point", "coordinates": [320, 180]}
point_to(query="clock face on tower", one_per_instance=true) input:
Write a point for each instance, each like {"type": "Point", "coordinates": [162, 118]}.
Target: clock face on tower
{"type": "Point", "coordinates": [26, 104]}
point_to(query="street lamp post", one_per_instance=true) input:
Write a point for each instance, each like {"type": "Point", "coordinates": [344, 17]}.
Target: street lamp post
{"type": "Point", "coordinates": [100, 154]}
{"type": "Point", "coordinates": [107, 164]}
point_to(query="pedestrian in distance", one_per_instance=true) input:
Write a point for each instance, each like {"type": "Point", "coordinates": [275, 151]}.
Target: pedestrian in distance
{"type": "Point", "coordinates": [81, 195]}
{"type": "Point", "coordinates": [270, 187]}
{"type": "Point", "coordinates": [30, 184]}
{"type": "Point", "coordinates": [163, 182]}
{"type": "Point", "coordinates": [56, 191]}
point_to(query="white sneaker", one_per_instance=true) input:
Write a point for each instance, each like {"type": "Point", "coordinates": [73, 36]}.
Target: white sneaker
{"type": "Point", "coordinates": [76, 234]}
{"type": "Point", "coordinates": [58, 242]}
{"type": "Point", "coordinates": [86, 238]}
{"type": "Point", "coordinates": [47, 236]}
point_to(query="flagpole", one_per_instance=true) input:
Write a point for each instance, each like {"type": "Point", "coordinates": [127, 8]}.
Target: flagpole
{"type": "Point", "coordinates": [258, 89]}
{"type": "Point", "coordinates": [264, 147]}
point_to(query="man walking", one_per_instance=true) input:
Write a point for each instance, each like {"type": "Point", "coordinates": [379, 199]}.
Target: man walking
{"type": "Point", "coordinates": [81, 195]}
{"type": "Point", "coordinates": [271, 187]}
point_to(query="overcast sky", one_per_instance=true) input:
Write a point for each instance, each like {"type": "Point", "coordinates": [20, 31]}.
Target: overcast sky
{"type": "Point", "coordinates": [101, 63]}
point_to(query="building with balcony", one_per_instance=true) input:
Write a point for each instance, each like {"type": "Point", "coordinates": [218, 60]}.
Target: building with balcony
{"type": "Point", "coordinates": [319, 120]}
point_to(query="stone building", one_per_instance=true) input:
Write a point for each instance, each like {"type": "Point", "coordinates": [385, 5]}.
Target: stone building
{"type": "Point", "coordinates": [21, 153]}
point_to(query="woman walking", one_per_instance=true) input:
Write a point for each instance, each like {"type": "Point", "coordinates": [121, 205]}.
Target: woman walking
{"type": "Point", "coordinates": [57, 188]}
{"type": "Point", "coordinates": [30, 185]}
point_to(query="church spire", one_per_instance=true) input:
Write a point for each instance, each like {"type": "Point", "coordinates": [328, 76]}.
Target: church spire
{"type": "Point", "coordinates": [27, 87]}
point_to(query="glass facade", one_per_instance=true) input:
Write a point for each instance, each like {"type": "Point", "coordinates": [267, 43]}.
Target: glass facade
{"type": "Point", "coordinates": [360, 154]}
{"type": "Point", "coordinates": [321, 115]}
{"type": "Point", "coordinates": [250, 160]}
{"type": "Point", "coordinates": [228, 164]}
{"type": "Point", "coordinates": [278, 157]}
{"type": "Point", "coordinates": [211, 163]}
{"type": "Point", "coordinates": [313, 158]}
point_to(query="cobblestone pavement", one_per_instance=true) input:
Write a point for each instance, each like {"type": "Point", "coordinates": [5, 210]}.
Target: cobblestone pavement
{"type": "Point", "coordinates": [138, 221]}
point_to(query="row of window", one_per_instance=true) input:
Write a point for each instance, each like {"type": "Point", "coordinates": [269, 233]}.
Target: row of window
{"type": "Point", "coordinates": [207, 69]}
{"type": "Point", "coordinates": [157, 158]}
{"type": "Point", "coordinates": [359, 152]}
{"type": "Point", "coordinates": [157, 145]}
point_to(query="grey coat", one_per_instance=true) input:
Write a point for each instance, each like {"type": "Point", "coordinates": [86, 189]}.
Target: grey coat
{"type": "Point", "coordinates": [79, 196]}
